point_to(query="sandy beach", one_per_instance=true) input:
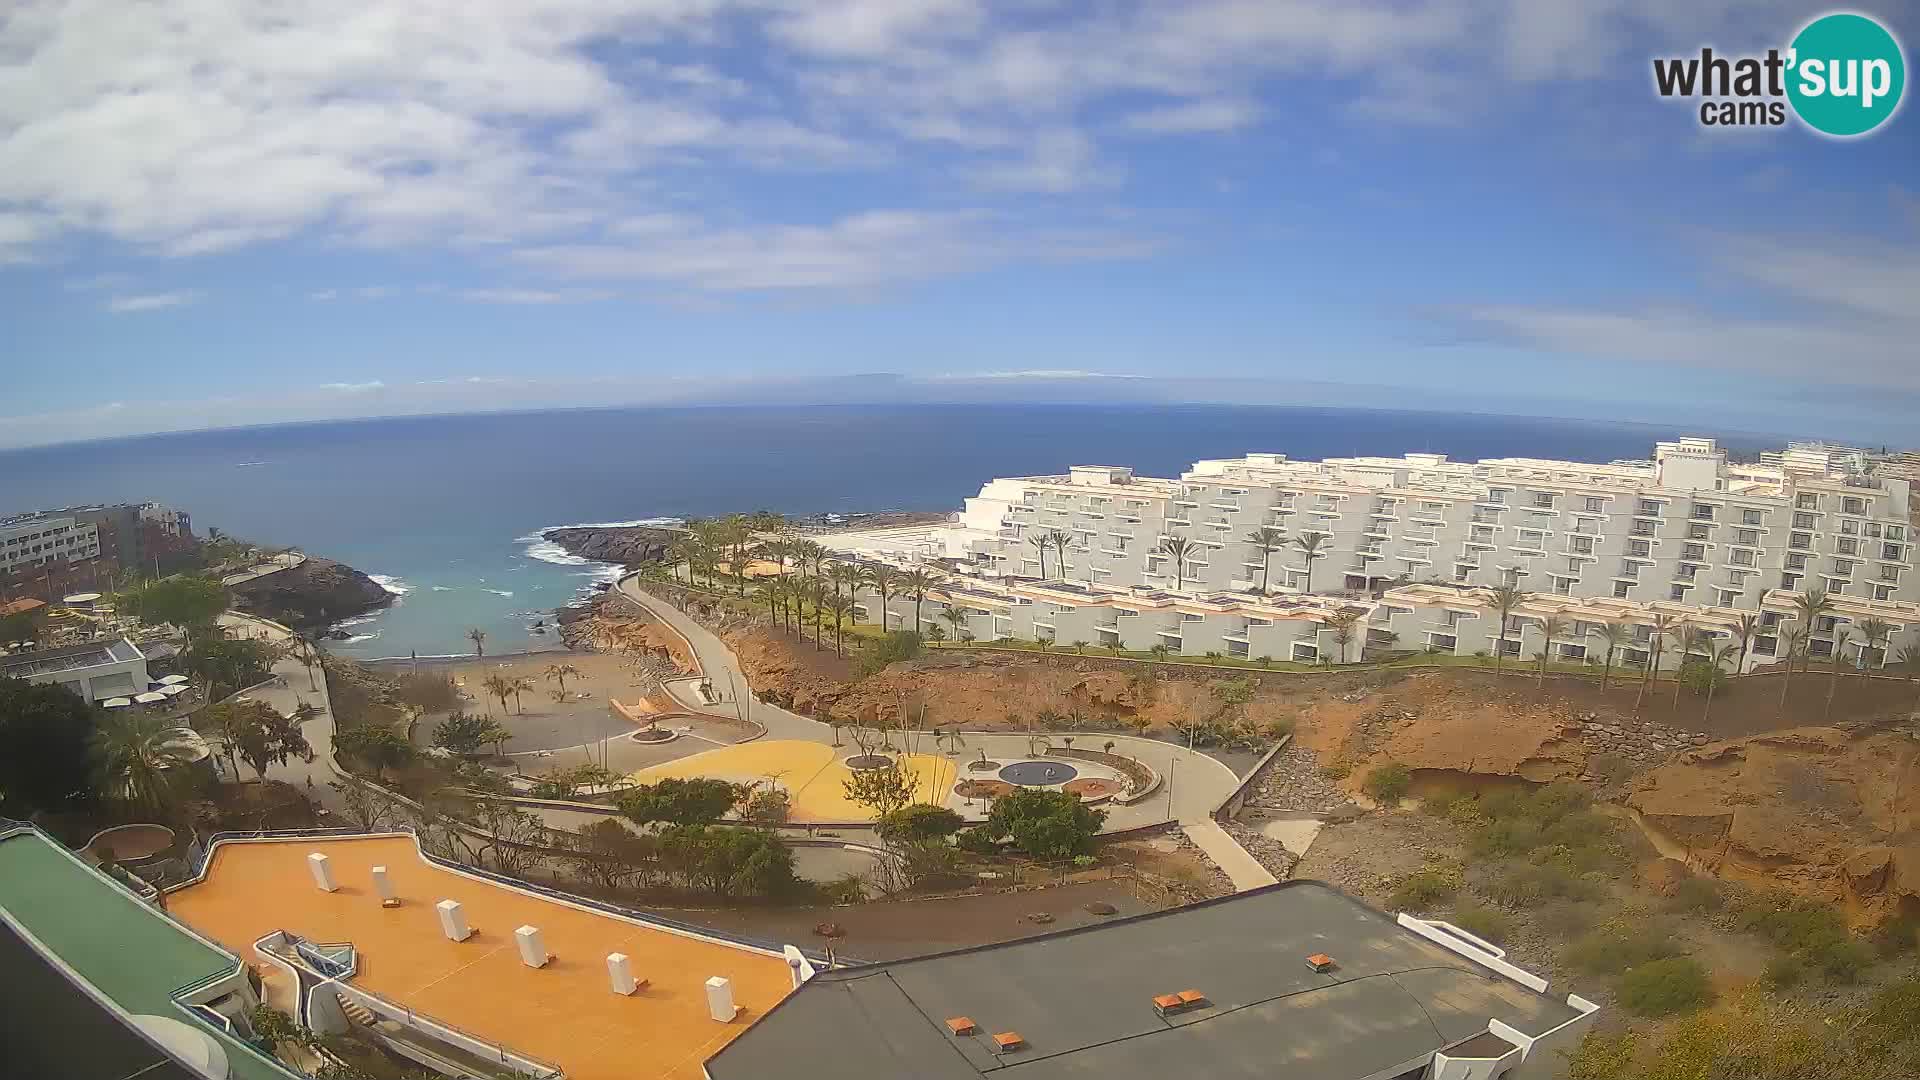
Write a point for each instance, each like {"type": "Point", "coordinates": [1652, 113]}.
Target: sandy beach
{"type": "Point", "coordinates": [538, 721]}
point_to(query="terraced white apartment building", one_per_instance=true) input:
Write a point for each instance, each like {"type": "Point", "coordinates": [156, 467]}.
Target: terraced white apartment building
{"type": "Point", "coordinates": [1687, 532]}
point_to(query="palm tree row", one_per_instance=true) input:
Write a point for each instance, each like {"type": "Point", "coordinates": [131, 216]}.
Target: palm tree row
{"type": "Point", "coordinates": [1059, 540]}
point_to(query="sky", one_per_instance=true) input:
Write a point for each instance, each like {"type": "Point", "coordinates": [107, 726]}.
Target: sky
{"type": "Point", "coordinates": [220, 212]}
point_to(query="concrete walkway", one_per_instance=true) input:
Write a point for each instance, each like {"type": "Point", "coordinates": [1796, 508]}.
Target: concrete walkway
{"type": "Point", "coordinates": [1243, 869]}
{"type": "Point", "coordinates": [285, 561]}
{"type": "Point", "coordinates": [295, 688]}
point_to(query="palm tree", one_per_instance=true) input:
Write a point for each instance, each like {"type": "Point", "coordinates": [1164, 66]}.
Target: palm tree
{"type": "Point", "coordinates": [1690, 639]}
{"type": "Point", "coordinates": [1808, 607]}
{"type": "Point", "coordinates": [1909, 661]}
{"type": "Point", "coordinates": [1661, 626]}
{"type": "Point", "coordinates": [1551, 627]}
{"type": "Point", "coordinates": [770, 590]}
{"type": "Point", "coordinates": [1716, 656]}
{"type": "Point", "coordinates": [1040, 541]}
{"type": "Point", "coordinates": [479, 639]}
{"type": "Point", "coordinates": [1342, 624]}
{"type": "Point", "coordinates": [737, 532]}
{"type": "Point", "coordinates": [1179, 549]}
{"type": "Point", "coordinates": [499, 686]}
{"type": "Point", "coordinates": [309, 655]}
{"type": "Point", "coordinates": [1310, 543]}
{"type": "Point", "coordinates": [1062, 539]}
{"type": "Point", "coordinates": [1840, 635]}
{"type": "Point", "coordinates": [1794, 639]}
{"type": "Point", "coordinates": [956, 618]}
{"type": "Point", "coordinates": [841, 607]}
{"type": "Point", "coordinates": [560, 673]}
{"type": "Point", "coordinates": [1506, 599]}
{"type": "Point", "coordinates": [1265, 540]}
{"type": "Point", "coordinates": [915, 583]}
{"type": "Point", "coordinates": [1875, 633]}
{"type": "Point", "coordinates": [140, 757]}
{"type": "Point", "coordinates": [1614, 635]}
{"type": "Point", "coordinates": [817, 594]}
{"type": "Point", "coordinates": [1744, 633]}
{"type": "Point", "coordinates": [884, 579]}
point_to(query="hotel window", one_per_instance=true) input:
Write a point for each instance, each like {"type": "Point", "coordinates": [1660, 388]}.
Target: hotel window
{"type": "Point", "coordinates": [1460, 572]}
{"type": "Point", "coordinates": [1583, 545]}
{"type": "Point", "coordinates": [1843, 567]}
{"type": "Point", "coordinates": [1891, 551]}
{"type": "Point", "coordinates": [1889, 572]}
{"type": "Point", "coordinates": [1649, 508]}
{"type": "Point", "coordinates": [1789, 581]}
{"type": "Point", "coordinates": [1698, 532]}
{"type": "Point", "coordinates": [1847, 547]}
{"type": "Point", "coordinates": [1595, 504]}
{"type": "Point", "coordinates": [1803, 521]}
{"type": "Point", "coordinates": [1686, 571]}
{"type": "Point", "coordinates": [1853, 506]}
{"type": "Point", "coordinates": [1749, 537]}
{"type": "Point", "coordinates": [1693, 551]}
{"type": "Point", "coordinates": [1740, 558]}
{"type": "Point", "coordinates": [1574, 565]}
{"type": "Point", "coordinates": [1849, 527]}
{"type": "Point", "coordinates": [1629, 569]}
{"type": "Point", "coordinates": [1749, 517]}
{"type": "Point", "coordinates": [1620, 590]}
{"type": "Point", "coordinates": [1497, 495]}
{"type": "Point", "coordinates": [1678, 592]}
{"type": "Point", "coordinates": [1883, 592]}
{"type": "Point", "coordinates": [1896, 532]}
{"type": "Point", "coordinates": [1640, 549]}
{"type": "Point", "coordinates": [1543, 499]}
{"type": "Point", "coordinates": [1800, 540]}
{"type": "Point", "coordinates": [1834, 585]}
{"type": "Point", "coordinates": [1704, 511]}
{"type": "Point", "coordinates": [1729, 598]}
{"type": "Point", "coordinates": [1825, 624]}
{"type": "Point", "coordinates": [1769, 618]}
{"type": "Point", "coordinates": [1807, 502]}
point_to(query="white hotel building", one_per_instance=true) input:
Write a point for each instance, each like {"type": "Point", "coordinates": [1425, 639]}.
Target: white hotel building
{"type": "Point", "coordinates": [1415, 541]}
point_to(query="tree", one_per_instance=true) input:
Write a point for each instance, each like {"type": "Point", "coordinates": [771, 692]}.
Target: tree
{"type": "Point", "coordinates": [1041, 541]}
{"type": "Point", "coordinates": [1613, 635]}
{"type": "Point", "coordinates": [258, 734]}
{"type": "Point", "coordinates": [1179, 549]}
{"type": "Point", "coordinates": [1062, 539]}
{"type": "Point", "coordinates": [1660, 626]}
{"type": "Point", "coordinates": [1840, 636]}
{"type": "Point", "coordinates": [612, 854]}
{"type": "Point", "coordinates": [479, 639]}
{"type": "Point", "coordinates": [516, 686]}
{"type": "Point", "coordinates": [881, 790]}
{"type": "Point", "coordinates": [1717, 655]}
{"type": "Point", "coordinates": [1745, 630]}
{"type": "Point", "coordinates": [46, 733]}
{"type": "Point", "coordinates": [1506, 599]}
{"type": "Point", "coordinates": [680, 801]}
{"type": "Point", "coordinates": [140, 758]}
{"type": "Point", "coordinates": [728, 862]}
{"type": "Point", "coordinates": [560, 673]}
{"type": "Point", "coordinates": [498, 686]}
{"type": "Point", "coordinates": [1808, 608]}
{"type": "Point", "coordinates": [768, 806]}
{"type": "Point", "coordinates": [1689, 639]}
{"type": "Point", "coordinates": [841, 607]}
{"type": "Point", "coordinates": [1551, 627]}
{"type": "Point", "coordinates": [918, 823]}
{"type": "Point", "coordinates": [885, 579]}
{"type": "Point", "coordinates": [367, 809]}
{"type": "Point", "coordinates": [1311, 544]}
{"type": "Point", "coordinates": [1793, 641]}
{"type": "Point", "coordinates": [1874, 634]}
{"type": "Point", "coordinates": [221, 661]}
{"type": "Point", "coordinates": [1266, 540]}
{"type": "Point", "coordinates": [373, 744]}
{"type": "Point", "coordinates": [956, 617]}
{"type": "Point", "coordinates": [193, 603]}
{"type": "Point", "coordinates": [1043, 823]}
{"type": "Point", "coordinates": [465, 733]}
{"type": "Point", "coordinates": [915, 584]}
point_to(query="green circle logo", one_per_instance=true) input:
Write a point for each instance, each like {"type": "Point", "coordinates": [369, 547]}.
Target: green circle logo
{"type": "Point", "coordinates": [1845, 74]}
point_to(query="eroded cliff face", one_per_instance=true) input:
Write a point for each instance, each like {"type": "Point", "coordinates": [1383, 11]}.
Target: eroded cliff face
{"type": "Point", "coordinates": [1823, 811]}
{"type": "Point", "coordinates": [629, 545]}
{"type": "Point", "coordinates": [312, 595]}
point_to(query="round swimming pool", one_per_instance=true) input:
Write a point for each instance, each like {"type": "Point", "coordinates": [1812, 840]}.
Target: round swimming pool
{"type": "Point", "coordinates": [1038, 773]}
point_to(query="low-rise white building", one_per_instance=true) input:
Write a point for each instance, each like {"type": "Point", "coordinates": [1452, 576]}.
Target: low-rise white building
{"type": "Point", "coordinates": [96, 671]}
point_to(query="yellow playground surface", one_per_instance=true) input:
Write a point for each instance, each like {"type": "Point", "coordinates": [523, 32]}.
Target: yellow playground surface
{"type": "Point", "coordinates": [812, 771]}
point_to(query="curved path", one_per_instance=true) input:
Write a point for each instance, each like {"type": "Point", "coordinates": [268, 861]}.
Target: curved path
{"type": "Point", "coordinates": [1193, 783]}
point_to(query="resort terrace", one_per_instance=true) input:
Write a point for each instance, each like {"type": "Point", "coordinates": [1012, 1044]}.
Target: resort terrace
{"type": "Point", "coordinates": [563, 1012]}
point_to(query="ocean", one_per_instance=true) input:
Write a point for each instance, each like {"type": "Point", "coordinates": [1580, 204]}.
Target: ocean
{"type": "Point", "coordinates": [446, 511]}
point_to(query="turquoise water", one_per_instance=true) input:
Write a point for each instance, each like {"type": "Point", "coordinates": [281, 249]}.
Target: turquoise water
{"type": "Point", "coordinates": [446, 510]}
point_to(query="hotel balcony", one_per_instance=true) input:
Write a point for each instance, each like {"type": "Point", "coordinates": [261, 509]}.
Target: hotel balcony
{"type": "Point", "coordinates": [1235, 635]}
{"type": "Point", "coordinates": [1233, 506]}
{"type": "Point", "coordinates": [1179, 521]}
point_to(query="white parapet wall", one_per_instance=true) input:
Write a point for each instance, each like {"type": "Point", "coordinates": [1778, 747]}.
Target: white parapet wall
{"type": "Point", "coordinates": [322, 872]}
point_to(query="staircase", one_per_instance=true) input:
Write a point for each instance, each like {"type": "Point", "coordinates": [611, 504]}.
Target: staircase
{"type": "Point", "coordinates": [357, 1012]}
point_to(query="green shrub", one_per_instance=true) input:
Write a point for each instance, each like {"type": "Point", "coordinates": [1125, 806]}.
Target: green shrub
{"type": "Point", "coordinates": [1785, 972]}
{"type": "Point", "coordinates": [1611, 950]}
{"type": "Point", "coordinates": [1339, 770]}
{"type": "Point", "coordinates": [1421, 891]}
{"type": "Point", "coordinates": [1897, 936]}
{"type": "Point", "coordinates": [1526, 885]}
{"type": "Point", "coordinates": [1566, 919]}
{"type": "Point", "coordinates": [1841, 960]}
{"type": "Point", "coordinates": [1387, 784]}
{"type": "Point", "coordinates": [1505, 837]}
{"type": "Point", "coordinates": [1489, 923]}
{"type": "Point", "coordinates": [1698, 675]}
{"type": "Point", "coordinates": [1677, 984]}
{"type": "Point", "coordinates": [1441, 803]}
{"type": "Point", "coordinates": [1695, 894]}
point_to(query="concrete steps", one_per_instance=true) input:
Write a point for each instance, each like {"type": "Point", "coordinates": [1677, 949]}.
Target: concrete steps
{"type": "Point", "coordinates": [358, 1013]}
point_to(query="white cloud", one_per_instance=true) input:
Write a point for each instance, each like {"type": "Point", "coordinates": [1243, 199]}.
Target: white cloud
{"type": "Point", "coordinates": [876, 248]}
{"type": "Point", "coordinates": [151, 301]}
{"type": "Point", "coordinates": [532, 296]}
{"type": "Point", "coordinates": [1055, 162]}
{"type": "Point", "coordinates": [354, 387]}
{"type": "Point", "coordinates": [1195, 116]}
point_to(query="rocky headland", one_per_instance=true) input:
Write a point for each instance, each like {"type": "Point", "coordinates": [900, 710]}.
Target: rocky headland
{"type": "Point", "coordinates": [314, 594]}
{"type": "Point", "coordinates": [628, 545]}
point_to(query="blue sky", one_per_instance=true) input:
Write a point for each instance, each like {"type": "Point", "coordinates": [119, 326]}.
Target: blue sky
{"type": "Point", "coordinates": [210, 215]}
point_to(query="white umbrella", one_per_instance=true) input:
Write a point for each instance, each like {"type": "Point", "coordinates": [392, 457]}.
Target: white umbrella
{"type": "Point", "coordinates": [116, 703]}
{"type": "Point", "coordinates": [173, 680]}
{"type": "Point", "coordinates": [149, 698]}
{"type": "Point", "coordinates": [171, 690]}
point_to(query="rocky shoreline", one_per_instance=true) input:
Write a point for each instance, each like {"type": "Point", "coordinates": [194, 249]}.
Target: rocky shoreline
{"type": "Point", "coordinates": [636, 545]}
{"type": "Point", "coordinates": [316, 594]}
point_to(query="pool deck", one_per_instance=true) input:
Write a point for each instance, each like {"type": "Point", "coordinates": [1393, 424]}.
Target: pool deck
{"type": "Point", "coordinates": [815, 774]}
{"type": "Point", "coordinates": [563, 1013]}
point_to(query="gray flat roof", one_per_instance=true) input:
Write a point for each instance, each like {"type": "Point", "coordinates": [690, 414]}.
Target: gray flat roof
{"type": "Point", "coordinates": [1082, 1001]}
{"type": "Point", "coordinates": [69, 658]}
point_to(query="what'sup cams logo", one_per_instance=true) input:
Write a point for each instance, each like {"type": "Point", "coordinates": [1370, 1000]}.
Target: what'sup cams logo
{"type": "Point", "coordinates": [1843, 75]}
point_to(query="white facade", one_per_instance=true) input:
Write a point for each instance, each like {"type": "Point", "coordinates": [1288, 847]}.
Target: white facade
{"type": "Point", "coordinates": [96, 671]}
{"type": "Point", "coordinates": [35, 541]}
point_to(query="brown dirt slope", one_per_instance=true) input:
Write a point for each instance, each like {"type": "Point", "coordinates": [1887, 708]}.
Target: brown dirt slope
{"type": "Point", "coordinates": [1824, 811]}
